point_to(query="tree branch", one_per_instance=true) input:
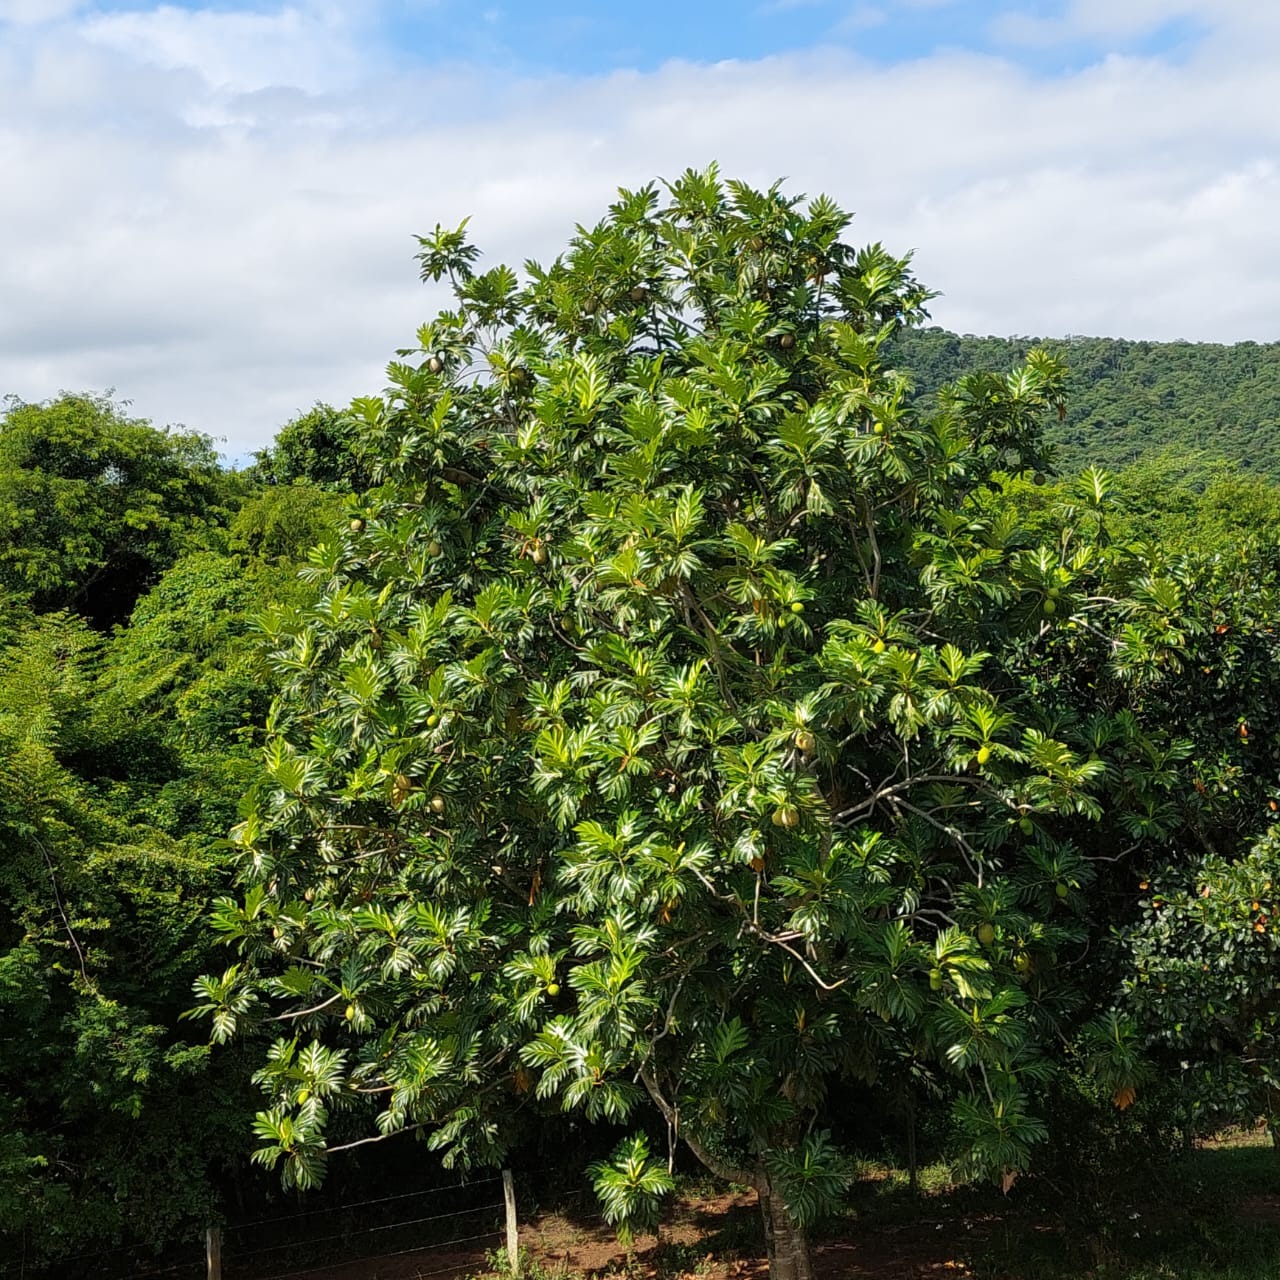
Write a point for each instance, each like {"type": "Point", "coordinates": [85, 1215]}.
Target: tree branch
{"type": "Point", "coordinates": [381, 1137]}
{"type": "Point", "coordinates": [721, 1168]}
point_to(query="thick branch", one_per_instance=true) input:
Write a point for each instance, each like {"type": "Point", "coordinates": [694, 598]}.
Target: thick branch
{"type": "Point", "coordinates": [971, 857]}
{"type": "Point", "coordinates": [717, 1166]}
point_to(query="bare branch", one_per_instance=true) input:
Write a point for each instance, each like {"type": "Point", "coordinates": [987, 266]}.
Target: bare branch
{"type": "Point", "coordinates": [62, 911]}
{"type": "Point", "coordinates": [780, 941]}
{"type": "Point", "coordinates": [303, 1013]}
{"type": "Point", "coordinates": [381, 1137]}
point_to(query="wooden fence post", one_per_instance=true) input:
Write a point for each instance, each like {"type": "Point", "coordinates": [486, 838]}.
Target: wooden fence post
{"type": "Point", "coordinates": [513, 1226]}
{"type": "Point", "coordinates": [213, 1252]}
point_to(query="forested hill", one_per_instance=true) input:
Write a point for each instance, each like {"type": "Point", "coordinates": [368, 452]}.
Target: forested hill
{"type": "Point", "coordinates": [1205, 400]}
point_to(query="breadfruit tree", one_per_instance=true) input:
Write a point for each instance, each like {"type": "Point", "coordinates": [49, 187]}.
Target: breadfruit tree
{"type": "Point", "coordinates": [678, 729]}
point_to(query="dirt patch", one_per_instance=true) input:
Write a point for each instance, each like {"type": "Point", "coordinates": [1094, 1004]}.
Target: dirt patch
{"type": "Point", "coordinates": [710, 1238]}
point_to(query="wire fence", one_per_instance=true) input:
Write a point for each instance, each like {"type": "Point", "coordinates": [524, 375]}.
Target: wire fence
{"type": "Point", "coordinates": [257, 1250]}
{"type": "Point", "coordinates": [250, 1251]}
{"type": "Point", "coordinates": [464, 1265]}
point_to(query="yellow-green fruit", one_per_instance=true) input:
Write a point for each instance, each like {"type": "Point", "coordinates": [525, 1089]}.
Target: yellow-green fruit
{"type": "Point", "coordinates": [786, 815]}
{"type": "Point", "coordinates": [553, 988]}
{"type": "Point", "coordinates": [1026, 826]}
{"type": "Point", "coordinates": [357, 525]}
{"type": "Point", "coordinates": [1062, 890]}
{"type": "Point", "coordinates": [1022, 962]}
{"type": "Point", "coordinates": [303, 1095]}
{"type": "Point", "coordinates": [935, 979]}
{"type": "Point", "coordinates": [797, 606]}
{"type": "Point", "coordinates": [433, 548]}
{"type": "Point", "coordinates": [878, 428]}
{"type": "Point", "coordinates": [351, 1012]}
{"type": "Point", "coordinates": [984, 754]}
{"type": "Point", "coordinates": [539, 555]}
{"type": "Point", "coordinates": [432, 720]}
{"type": "Point", "coordinates": [1054, 592]}
{"type": "Point", "coordinates": [804, 740]}
{"type": "Point", "coordinates": [787, 341]}
{"type": "Point", "coordinates": [879, 646]}
{"type": "Point", "coordinates": [986, 933]}
{"type": "Point", "coordinates": [1050, 607]}
{"type": "Point", "coordinates": [437, 804]}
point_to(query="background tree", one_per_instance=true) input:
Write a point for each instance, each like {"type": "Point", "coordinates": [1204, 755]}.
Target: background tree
{"type": "Point", "coordinates": [280, 524]}
{"type": "Point", "coordinates": [1201, 985]}
{"type": "Point", "coordinates": [94, 505]}
{"type": "Point", "coordinates": [320, 448]}
{"type": "Point", "coordinates": [681, 726]}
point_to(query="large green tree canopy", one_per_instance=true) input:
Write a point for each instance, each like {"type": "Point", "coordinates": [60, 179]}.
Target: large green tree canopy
{"type": "Point", "coordinates": [687, 725]}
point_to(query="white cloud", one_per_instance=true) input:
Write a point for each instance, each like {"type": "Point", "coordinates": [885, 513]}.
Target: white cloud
{"type": "Point", "coordinates": [310, 45]}
{"type": "Point", "coordinates": [1104, 20]}
{"type": "Point", "coordinates": [225, 257]}
{"type": "Point", "coordinates": [862, 17]}
{"type": "Point", "coordinates": [36, 12]}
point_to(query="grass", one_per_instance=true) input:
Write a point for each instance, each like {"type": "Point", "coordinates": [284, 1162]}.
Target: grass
{"type": "Point", "coordinates": [1213, 1215]}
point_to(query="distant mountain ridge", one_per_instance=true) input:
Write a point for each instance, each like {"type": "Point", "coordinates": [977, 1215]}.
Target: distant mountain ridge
{"type": "Point", "coordinates": [1129, 399]}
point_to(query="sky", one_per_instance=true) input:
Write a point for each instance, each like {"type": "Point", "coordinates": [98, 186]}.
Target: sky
{"type": "Point", "coordinates": [209, 208]}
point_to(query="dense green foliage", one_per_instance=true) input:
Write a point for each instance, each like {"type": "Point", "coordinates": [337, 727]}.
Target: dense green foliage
{"type": "Point", "coordinates": [101, 912]}
{"type": "Point", "coordinates": [123, 756]}
{"type": "Point", "coordinates": [651, 708]}
{"type": "Point", "coordinates": [1200, 402]}
{"type": "Point", "coordinates": [1153, 501]}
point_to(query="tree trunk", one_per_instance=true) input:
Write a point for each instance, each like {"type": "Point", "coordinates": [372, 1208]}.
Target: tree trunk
{"type": "Point", "coordinates": [1273, 1115]}
{"type": "Point", "coordinates": [788, 1242]}
{"type": "Point", "coordinates": [913, 1171]}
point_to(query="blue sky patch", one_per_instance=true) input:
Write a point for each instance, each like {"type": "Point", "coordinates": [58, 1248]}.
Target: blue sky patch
{"type": "Point", "coordinates": [594, 37]}
{"type": "Point", "coordinates": [567, 38]}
